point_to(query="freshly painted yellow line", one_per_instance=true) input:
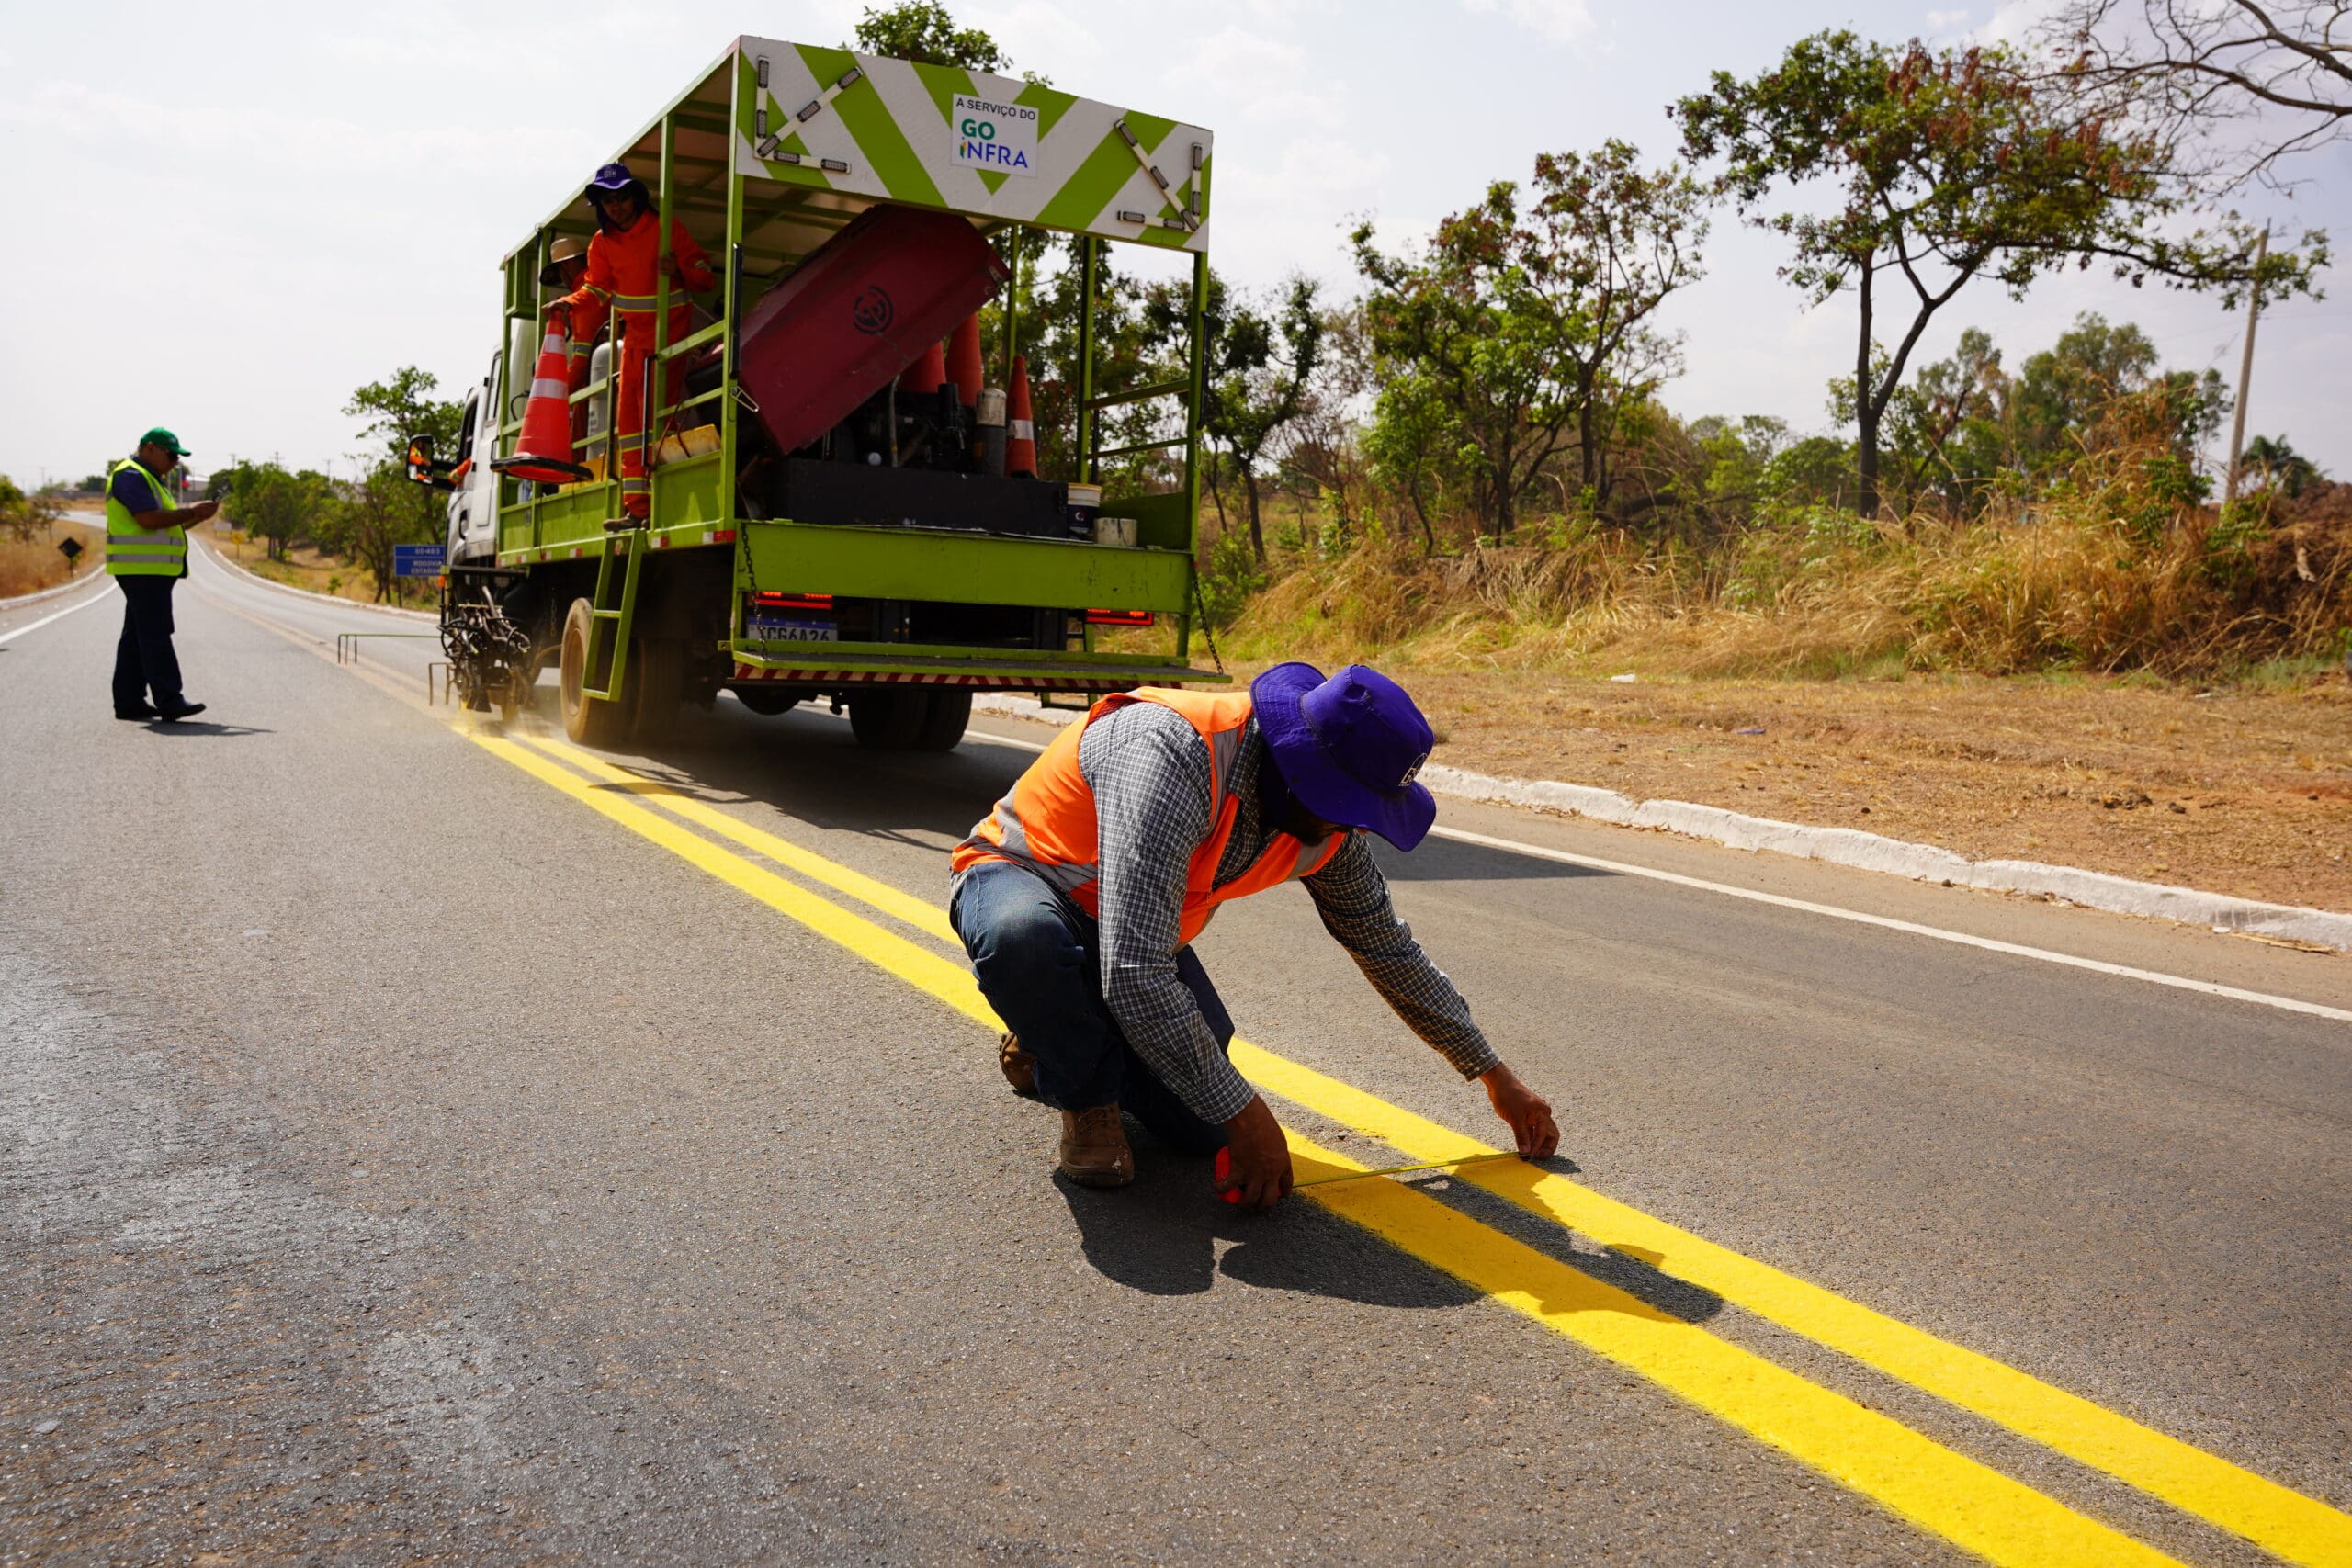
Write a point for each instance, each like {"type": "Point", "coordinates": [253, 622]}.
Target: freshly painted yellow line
{"type": "Point", "coordinates": [2286, 1523]}
{"type": "Point", "coordinates": [1953, 1495]}
{"type": "Point", "coordinates": [951, 983]}
{"type": "Point", "coordinates": [2299, 1529]}
{"type": "Point", "coordinates": [924, 915]}
{"type": "Point", "coordinates": [1941, 1491]}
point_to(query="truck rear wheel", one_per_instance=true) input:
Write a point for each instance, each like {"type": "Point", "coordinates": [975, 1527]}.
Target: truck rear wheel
{"type": "Point", "coordinates": [585, 719]}
{"type": "Point", "coordinates": [890, 719]}
{"type": "Point", "coordinates": [945, 716]}
{"type": "Point", "coordinates": [654, 688]}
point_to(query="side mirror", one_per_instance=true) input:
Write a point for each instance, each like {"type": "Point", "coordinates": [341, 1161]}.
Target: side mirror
{"type": "Point", "coordinates": [424, 468]}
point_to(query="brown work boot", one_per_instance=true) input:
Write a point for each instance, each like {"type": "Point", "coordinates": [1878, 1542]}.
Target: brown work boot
{"type": "Point", "coordinates": [1094, 1148]}
{"type": "Point", "coordinates": [1020, 1068]}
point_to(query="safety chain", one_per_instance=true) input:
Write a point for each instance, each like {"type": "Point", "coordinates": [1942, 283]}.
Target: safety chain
{"type": "Point", "coordinates": [1208, 633]}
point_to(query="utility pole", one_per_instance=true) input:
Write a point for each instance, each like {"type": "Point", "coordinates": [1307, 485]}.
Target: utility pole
{"type": "Point", "coordinates": [2246, 369]}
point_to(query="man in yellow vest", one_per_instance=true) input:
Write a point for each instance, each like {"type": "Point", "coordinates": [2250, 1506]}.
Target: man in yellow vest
{"type": "Point", "coordinates": [1079, 897]}
{"type": "Point", "coordinates": [146, 556]}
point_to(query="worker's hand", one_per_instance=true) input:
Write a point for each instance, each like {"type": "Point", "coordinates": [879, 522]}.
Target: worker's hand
{"type": "Point", "coordinates": [1260, 1157]}
{"type": "Point", "coordinates": [1528, 1112]}
{"type": "Point", "coordinates": [560, 310]}
{"type": "Point", "coordinates": [202, 512]}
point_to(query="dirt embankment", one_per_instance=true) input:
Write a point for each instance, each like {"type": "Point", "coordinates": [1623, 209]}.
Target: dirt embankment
{"type": "Point", "coordinates": [2243, 791]}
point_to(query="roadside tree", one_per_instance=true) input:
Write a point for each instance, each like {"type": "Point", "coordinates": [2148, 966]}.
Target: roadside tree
{"type": "Point", "coordinates": [923, 31]}
{"type": "Point", "coordinates": [2249, 84]}
{"type": "Point", "coordinates": [1327, 448]}
{"type": "Point", "coordinates": [1417, 447]}
{"type": "Point", "coordinates": [1528, 318]}
{"type": "Point", "coordinates": [279, 505]}
{"type": "Point", "coordinates": [380, 516]}
{"type": "Point", "coordinates": [23, 516]}
{"type": "Point", "coordinates": [1945, 167]}
{"type": "Point", "coordinates": [1261, 364]}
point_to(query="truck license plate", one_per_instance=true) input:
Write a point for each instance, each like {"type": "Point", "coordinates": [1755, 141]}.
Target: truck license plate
{"type": "Point", "coordinates": [796, 631]}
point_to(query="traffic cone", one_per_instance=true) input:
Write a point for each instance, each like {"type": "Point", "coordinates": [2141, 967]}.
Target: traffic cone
{"type": "Point", "coordinates": [1020, 427]}
{"type": "Point", "coordinates": [923, 377]}
{"type": "Point", "coordinates": [964, 360]}
{"type": "Point", "coordinates": [543, 452]}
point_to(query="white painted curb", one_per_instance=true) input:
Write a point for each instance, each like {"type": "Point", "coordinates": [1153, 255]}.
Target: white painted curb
{"type": "Point", "coordinates": [213, 551]}
{"type": "Point", "coordinates": [1847, 846]}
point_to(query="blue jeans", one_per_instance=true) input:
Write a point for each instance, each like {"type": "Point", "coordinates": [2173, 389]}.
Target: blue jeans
{"type": "Point", "coordinates": [1038, 959]}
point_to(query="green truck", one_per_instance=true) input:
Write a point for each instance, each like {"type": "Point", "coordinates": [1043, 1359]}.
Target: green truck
{"type": "Point", "coordinates": [823, 525]}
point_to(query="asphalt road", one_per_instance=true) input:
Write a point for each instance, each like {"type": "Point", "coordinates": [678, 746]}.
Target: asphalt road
{"type": "Point", "coordinates": [416, 1145]}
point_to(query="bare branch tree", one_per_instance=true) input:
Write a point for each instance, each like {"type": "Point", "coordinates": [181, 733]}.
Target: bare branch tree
{"type": "Point", "coordinates": [2251, 84]}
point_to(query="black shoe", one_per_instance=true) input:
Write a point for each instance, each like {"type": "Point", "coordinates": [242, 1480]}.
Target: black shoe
{"type": "Point", "coordinates": [139, 714]}
{"type": "Point", "coordinates": [185, 710]}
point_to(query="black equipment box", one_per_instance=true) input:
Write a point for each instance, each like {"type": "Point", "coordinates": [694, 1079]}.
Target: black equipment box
{"type": "Point", "coordinates": [872, 495]}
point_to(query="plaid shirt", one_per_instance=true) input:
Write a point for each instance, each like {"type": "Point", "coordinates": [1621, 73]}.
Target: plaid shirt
{"type": "Point", "coordinates": [1149, 773]}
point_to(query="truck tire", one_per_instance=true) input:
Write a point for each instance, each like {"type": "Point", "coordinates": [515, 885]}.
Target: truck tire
{"type": "Point", "coordinates": [945, 716]}
{"type": "Point", "coordinates": [767, 701]}
{"type": "Point", "coordinates": [585, 721]}
{"type": "Point", "coordinates": [889, 720]}
{"type": "Point", "coordinates": [653, 688]}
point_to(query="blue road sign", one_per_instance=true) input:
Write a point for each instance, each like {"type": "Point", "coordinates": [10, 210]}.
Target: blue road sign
{"type": "Point", "coordinates": [417, 560]}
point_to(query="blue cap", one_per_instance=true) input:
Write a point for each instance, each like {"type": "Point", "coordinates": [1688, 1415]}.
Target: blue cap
{"type": "Point", "coordinates": [1349, 747]}
{"type": "Point", "coordinates": [613, 177]}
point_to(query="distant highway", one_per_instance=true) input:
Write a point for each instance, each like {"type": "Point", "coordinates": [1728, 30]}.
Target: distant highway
{"type": "Point", "coordinates": [421, 1139]}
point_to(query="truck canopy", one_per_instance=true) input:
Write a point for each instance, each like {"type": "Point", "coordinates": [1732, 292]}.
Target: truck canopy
{"type": "Point", "coordinates": [842, 131]}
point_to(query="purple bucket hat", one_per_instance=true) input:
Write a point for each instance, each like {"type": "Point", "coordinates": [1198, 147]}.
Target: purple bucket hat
{"type": "Point", "coordinates": [613, 179]}
{"type": "Point", "coordinates": [1349, 747]}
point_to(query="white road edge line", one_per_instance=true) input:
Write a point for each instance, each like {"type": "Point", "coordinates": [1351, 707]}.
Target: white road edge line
{"type": "Point", "coordinates": [36, 625]}
{"type": "Point", "coordinates": [2014, 950]}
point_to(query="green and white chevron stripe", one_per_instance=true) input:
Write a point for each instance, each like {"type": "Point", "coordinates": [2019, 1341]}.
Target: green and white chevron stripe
{"type": "Point", "coordinates": [896, 131]}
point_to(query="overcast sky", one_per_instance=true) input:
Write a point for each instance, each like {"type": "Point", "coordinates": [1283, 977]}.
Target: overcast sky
{"type": "Point", "coordinates": [228, 216]}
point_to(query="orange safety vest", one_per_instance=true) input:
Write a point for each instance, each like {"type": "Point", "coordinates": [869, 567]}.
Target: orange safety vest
{"type": "Point", "coordinates": [1047, 822]}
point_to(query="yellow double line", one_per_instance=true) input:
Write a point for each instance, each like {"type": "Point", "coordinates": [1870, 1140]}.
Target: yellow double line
{"type": "Point", "coordinates": [1935, 1487]}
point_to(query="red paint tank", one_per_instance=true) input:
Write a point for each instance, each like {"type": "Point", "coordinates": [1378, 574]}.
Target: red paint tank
{"type": "Point", "coordinates": [862, 308]}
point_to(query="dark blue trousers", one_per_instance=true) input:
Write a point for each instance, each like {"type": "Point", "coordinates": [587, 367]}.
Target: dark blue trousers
{"type": "Point", "coordinates": [144, 660]}
{"type": "Point", "coordinates": [1039, 963]}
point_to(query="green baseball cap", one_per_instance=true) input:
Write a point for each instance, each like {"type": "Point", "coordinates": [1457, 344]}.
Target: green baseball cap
{"type": "Point", "coordinates": [163, 437]}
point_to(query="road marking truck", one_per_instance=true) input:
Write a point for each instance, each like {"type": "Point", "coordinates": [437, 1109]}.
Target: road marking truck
{"type": "Point", "coordinates": [822, 527]}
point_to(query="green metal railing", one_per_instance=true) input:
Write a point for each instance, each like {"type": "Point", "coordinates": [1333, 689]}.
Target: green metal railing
{"type": "Point", "coordinates": [622, 545]}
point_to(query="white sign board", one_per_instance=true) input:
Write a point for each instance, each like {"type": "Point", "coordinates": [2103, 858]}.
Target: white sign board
{"type": "Point", "coordinates": [1000, 138]}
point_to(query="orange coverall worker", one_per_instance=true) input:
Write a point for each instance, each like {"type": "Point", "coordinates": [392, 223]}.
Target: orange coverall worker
{"type": "Point", "coordinates": [624, 275]}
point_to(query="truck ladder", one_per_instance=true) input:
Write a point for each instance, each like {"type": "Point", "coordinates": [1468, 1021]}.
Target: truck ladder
{"type": "Point", "coordinates": [625, 540]}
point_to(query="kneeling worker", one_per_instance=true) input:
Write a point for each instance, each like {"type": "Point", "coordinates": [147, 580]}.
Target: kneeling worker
{"type": "Point", "coordinates": [1079, 896]}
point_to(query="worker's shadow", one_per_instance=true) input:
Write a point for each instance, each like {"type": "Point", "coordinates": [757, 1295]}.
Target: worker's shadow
{"type": "Point", "coordinates": [188, 728]}
{"type": "Point", "coordinates": [1161, 1235]}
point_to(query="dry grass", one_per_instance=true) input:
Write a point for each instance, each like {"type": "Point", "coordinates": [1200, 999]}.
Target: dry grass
{"type": "Point", "coordinates": [1822, 595]}
{"type": "Point", "coordinates": [27, 566]}
{"type": "Point", "coordinates": [2111, 681]}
